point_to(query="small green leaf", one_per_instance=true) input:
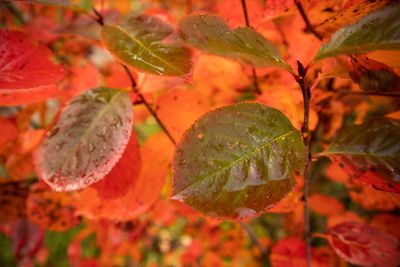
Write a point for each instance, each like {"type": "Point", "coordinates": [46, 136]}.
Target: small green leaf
{"type": "Point", "coordinates": [139, 43]}
{"type": "Point", "coordinates": [211, 34]}
{"type": "Point", "coordinates": [377, 30]}
{"type": "Point", "coordinates": [86, 141]}
{"type": "Point", "coordinates": [238, 161]}
{"type": "Point", "coordinates": [370, 153]}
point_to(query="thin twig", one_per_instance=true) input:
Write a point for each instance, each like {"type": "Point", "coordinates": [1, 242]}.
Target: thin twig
{"type": "Point", "coordinates": [147, 105]}
{"type": "Point", "coordinates": [253, 237]}
{"type": "Point", "coordinates": [99, 16]}
{"type": "Point", "coordinates": [306, 139]}
{"type": "Point", "coordinates": [253, 70]}
{"type": "Point", "coordinates": [305, 18]}
{"type": "Point", "coordinates": [100, 20]}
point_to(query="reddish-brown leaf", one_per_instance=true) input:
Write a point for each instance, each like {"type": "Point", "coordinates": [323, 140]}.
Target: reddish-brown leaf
{"type": "Point", "coordinates": [27, 74]}
{"type": "Point", "coordinates": [361, 244]}
{"type": "Point", "coordinates": [12, 202]}
{"type": "Point", "coordinates": [124, 174]}
{"type": "Point", "coordinates": [51, 210]}
{"type": "Point", "coordinates": [372, 75]}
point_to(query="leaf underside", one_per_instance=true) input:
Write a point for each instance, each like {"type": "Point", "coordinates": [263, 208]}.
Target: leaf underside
{"type": "Point", "coordinates": [211, 34]}
{"type": "Point", "coordinates": [86, 141]}
{"type": "Point", "coordinates": [370, 153]}
{"type": "Point", "coordinates": [139, 43]}
{"type": "Point", "coordinates": [378, 30]}
{"type": "Point", "coordinates": [361, 244]}
{"type": "Point", "coordinates": [238, 161]}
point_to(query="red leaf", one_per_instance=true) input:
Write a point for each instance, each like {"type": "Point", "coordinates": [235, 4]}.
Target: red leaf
{"type": "Point", "coordinates": [27, 238]}
{"type": "Point", "coordinates": [157, 153]}
{"type": "Point", "coordinates": [292, 252]}
{"type": "Point", "coordinates": [125, 173]}
{"type": "Point", "coordinates": [27, 74]}
{"type": "Point", "coordinates": [192, 253]}
{"type": "Point", "coordinates": [361, 244]}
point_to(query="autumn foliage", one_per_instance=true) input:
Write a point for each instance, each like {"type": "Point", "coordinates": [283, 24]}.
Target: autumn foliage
{"type": "Point", "coordinates": [199, 133]}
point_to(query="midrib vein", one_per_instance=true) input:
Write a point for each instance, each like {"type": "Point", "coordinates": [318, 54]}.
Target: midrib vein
{"type": "Point", "coordinates": [147, 49]}
{"type": "Point", "coordinates": [235, 161]}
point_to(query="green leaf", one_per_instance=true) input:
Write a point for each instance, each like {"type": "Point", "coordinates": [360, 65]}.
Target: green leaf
{"type": "Point", "coordinates": [238, 161]}
{"type": "Point", "coordinates": [211, 34]}
{"type": "Point", "coordinates": [139, 43]}
{"type": "Point", "coordinates": [86, 141]}
{"type": "Point", "coordinates": [370, 153]}
{"type": "Point", "coordinates": [377, 30]}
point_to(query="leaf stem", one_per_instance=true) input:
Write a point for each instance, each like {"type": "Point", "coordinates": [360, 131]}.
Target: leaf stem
{"type": "Point", "coordinates": [253, 237]}
{"type": "Point", "coordinates": [99, 16]}
{"type": "Point", "coordinates": [253, 70]}
{"type": "Point", "coordinates": [306, 139]}
{"type": "Point", "coordinates": [147, 105]}
{"type": "Point", "coordinates": [303, 14]}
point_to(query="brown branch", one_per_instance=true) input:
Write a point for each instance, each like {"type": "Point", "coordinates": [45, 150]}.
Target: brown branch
{"type": "Point", "coordinates": [253, 70]}
{"type": "Point", "coordinates": [303, 14]}
{"type": "Point", "coordinates": [306, 139]}
{"type": "Point", "coordinates": [253, 237]}
{"type": "Point", "coordinates": [147, 105]}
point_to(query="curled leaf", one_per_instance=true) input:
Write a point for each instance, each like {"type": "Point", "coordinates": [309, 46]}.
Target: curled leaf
{"type": "Point", "coordinates": [372, 75]}
{"type": "Point", "coordinates": [370, 153]}
{"type": "Point", "coordinates": [86, 141]}
{"type": "Point", "coordinates": [377, 30]}
{"type": "Point", "coordinates": [237, 161]}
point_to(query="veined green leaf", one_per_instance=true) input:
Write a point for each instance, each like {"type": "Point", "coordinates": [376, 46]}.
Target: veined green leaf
{"type": "Point", "coordinates": [370, 153]}
{"type": "Point", "coordinates": [211, 34]}
{"type": "Point", "coordinates": [238, 161]}
{"type": "Point", "coordinates": [138, 43]}
{"type": "Point", "coordinates": [377, 30]}
{"type": "Point", "coordinates": [86, 141]}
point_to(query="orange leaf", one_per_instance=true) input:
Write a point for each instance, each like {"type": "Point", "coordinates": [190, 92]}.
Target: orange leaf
{"type": "Point", "coordinates": [178, 109]}
{"type": "Point", "coordinates": [156, 153]}
{"type": "Point", "coordinates": [51, 210]}
{"type": "Point", "coordinates": [325, 205]}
